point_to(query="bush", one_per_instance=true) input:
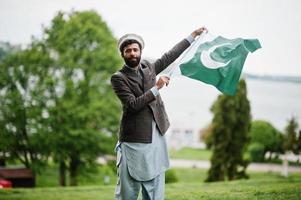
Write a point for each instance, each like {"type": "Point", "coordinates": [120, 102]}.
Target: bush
{"type": "Point", "coordinates": [256, 152]}
{"type": "Point", "coordinates": [170, 176]}
{"type": "Point", "coordinates": [269, 138]}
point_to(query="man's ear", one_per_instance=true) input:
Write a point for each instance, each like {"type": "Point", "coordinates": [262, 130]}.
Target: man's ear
{"type": "Point", "coordinates": [121, 54]}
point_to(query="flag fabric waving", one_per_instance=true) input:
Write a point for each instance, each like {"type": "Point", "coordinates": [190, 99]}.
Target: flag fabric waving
{"type": "Point", "coordinates": [216, 60]}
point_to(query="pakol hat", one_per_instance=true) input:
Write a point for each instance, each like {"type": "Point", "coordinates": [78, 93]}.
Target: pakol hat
{"type": "Point", "coordinates": [131, 36]}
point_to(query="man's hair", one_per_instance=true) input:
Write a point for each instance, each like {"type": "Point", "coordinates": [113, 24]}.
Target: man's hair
{"type": "Point", "coordinates": [128, 42]}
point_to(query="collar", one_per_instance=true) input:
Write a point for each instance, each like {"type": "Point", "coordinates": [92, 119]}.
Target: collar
{"type": "Point", "coordinates": [136, 69]}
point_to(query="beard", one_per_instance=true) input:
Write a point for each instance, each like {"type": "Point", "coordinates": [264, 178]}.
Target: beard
{"type": "Point", "coordinates": [132, 62]}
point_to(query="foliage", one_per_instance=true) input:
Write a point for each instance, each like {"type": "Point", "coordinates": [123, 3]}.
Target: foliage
{"type": "Point", "coordinates": [171, 176]}
{"type": "Point", "coordinates": [256, 152]}
{"type": "Point", "coordinates": [206, 136]}
{"type": "Point", "coordinates": [56, 99]}
{"type": "Point", "coordinates": [292, 140]}
{"type": "Point", "coordinates": [6, 49]}
{"type": "Point", "coordinates": [23, 131]}
{"type": "Point", "coordinates": [270, 138]}
{"type": "Point", "coordinates": [85, 118]}
{"type": "Point", "coordinates": [231, 124]}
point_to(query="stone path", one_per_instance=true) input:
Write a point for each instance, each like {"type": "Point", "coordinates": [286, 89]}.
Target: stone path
{"type": "Point", "coordinates": [260, 167]}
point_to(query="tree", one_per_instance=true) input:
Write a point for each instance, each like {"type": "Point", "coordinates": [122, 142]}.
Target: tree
{"type": "Point", "coordinates": [264, 138]}
{"type": "Point", "coordinates": [85, 117]}
{"type": "Point", "coordinates": [292, 138]}
{"type": "Point", "coordinates": [206, 136]}
{"type": "Point", "coordinates": [299, 145]}
{"type": "Point", "coordinates": [22, 106]}
{"type": "Point", "coordinates": [231, 124]}
{"type": "Point", "coordinates": [6, 48]}
{"type": "Point", "coordinates": [56, 99]}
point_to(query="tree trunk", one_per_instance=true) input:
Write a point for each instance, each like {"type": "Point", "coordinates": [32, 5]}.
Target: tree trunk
{"type": "Point", "coordinates": [231, 171]}
{"type": "Point", "coordinates": [62, 173]}
{"type": "Point", "coordinates": [73, 167]}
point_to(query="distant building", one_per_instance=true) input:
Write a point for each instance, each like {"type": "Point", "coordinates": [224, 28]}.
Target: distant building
{"type": "Point", "coordinates": [180, 135]}
{"type": "Point", "coordinates": [19, 177]}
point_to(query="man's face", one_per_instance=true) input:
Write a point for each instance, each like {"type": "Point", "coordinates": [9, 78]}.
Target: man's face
{"type": "Point", "coordinates": [131, 55]}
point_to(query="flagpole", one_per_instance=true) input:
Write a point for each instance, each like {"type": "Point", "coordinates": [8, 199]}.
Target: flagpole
{"type": "Point", "coordinates": [170, 72]}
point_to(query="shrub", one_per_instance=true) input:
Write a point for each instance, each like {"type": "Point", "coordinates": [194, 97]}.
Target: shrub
{"type": "Point", "coordinates": [170, 176]}
{"type": "Point", "coordinates": [264, 133]}
{"type": "Point", "coordinates": [256, 152]}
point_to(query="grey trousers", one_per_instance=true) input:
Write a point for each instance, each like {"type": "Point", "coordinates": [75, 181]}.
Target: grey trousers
{"type": "Point", "coordinates": [128, 188]}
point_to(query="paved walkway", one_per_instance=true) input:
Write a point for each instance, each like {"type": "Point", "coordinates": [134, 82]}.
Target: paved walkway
{"type": "Point", "coordinates": [204, 164]}
{"type": "Point", "coordinates": [261, 167]}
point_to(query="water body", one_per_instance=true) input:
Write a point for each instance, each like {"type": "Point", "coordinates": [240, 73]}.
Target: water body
{"type": "Point", "coordinates": [188, 102]}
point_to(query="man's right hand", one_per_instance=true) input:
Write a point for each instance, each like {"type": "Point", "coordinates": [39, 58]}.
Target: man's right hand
{"type": "Point", "coordinates": [199, 31]}
{"type": "Point", "coordinates": [163, 80]}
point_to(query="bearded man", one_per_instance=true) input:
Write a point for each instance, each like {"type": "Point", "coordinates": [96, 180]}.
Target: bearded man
{"type": "Point", "coordinates": [142, 156]}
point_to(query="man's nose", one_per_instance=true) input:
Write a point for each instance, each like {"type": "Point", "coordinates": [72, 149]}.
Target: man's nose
{"type": "Point", "coordinates": [132, 53]}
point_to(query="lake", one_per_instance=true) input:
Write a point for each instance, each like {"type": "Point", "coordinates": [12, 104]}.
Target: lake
{"type": "Point", "coordinates": [188, 102]}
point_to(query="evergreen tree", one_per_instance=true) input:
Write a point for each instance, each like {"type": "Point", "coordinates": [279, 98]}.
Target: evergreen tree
{"type": "Point", "coordinates": [206, 136]}
{"type": "Point", "coordinates": [230, 127]}
{"type": "Point", "coordinates": [299, 143]}
{"type": "Point", "coordinates": [292, 138]}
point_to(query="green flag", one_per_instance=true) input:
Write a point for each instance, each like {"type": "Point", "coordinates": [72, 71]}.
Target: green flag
{"type": "Point", "coordinates": [218, 62]}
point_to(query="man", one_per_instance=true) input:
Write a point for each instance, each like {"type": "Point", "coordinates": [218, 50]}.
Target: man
{"type": "Point", "coordinates": [142, 156]}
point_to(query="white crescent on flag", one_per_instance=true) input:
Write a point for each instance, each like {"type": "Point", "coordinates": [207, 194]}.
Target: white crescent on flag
{"type": "Point", "coordinates": [208, 61]}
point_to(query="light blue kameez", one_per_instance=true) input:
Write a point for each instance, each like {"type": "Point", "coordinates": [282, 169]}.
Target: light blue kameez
{"type": "Point", "coordinates": [145, 161]}
{"type": "Point", "coordinates": [142, 164]}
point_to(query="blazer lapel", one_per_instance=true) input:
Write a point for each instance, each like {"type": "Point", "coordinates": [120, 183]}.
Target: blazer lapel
{"type": "Point", "coordinates": [146, 78]}
{"type": "Point", "coordinates": [132, 75]}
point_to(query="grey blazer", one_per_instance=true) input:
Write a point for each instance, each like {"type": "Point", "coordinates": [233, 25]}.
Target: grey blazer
{"type": "Point", "coordinates": [139, 104]}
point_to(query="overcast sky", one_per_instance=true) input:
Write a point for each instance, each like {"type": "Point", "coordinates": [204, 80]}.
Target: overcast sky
{"type": "Point", "coordinates": [162, 23]}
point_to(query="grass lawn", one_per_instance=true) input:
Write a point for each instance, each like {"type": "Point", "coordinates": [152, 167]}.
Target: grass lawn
{"type": "Point", "coordinates": [190, 186]}
{"type": "Point", "coordinates": [191, 154]}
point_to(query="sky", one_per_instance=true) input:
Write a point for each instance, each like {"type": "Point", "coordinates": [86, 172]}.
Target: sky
{"type": "Point", "coordinates": [162, 23]}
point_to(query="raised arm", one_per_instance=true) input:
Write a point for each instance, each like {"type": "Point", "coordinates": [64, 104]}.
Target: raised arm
{"type": "Point", "coordinates": [176, 51]}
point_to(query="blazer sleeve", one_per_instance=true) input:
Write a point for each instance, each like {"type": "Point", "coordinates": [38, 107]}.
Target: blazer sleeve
{"type": "Point", "coordinates": [170, 56]}
{"type": "Point", "coordinates": [130, 102]}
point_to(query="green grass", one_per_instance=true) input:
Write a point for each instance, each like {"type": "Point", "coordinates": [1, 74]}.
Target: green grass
{"type": "Point", "coordinates": [191, 154]}
{"type": "Point", "coordinates": [190, 186]}
{"type": "Point", "coordinates": [235, 190]}
{"type": "Point", "coordinates": [56, 193]}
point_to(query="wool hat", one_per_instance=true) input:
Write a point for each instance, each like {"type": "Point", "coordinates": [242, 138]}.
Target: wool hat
{"type": "Point", "coordinates": [131, 36]}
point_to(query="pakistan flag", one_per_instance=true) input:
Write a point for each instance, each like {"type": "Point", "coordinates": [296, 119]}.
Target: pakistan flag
{"type": "Point", "coordinates": [217, 61]}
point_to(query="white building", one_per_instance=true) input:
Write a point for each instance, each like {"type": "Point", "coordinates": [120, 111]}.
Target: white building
{"type": "Point", "coordinates": [181, 135]}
